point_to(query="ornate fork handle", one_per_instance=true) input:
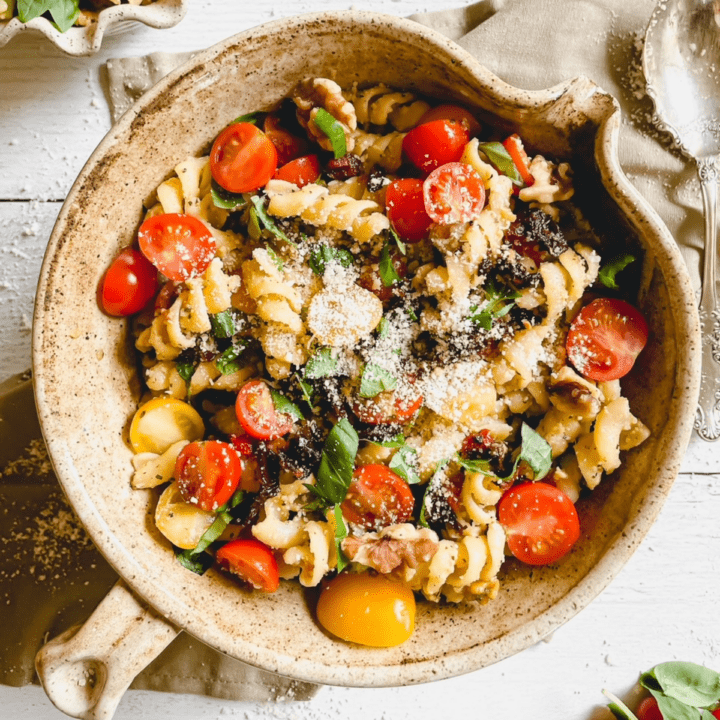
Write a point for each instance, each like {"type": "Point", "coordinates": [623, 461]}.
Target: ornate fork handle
{"type": "Point", "coordinates": [707, 418]}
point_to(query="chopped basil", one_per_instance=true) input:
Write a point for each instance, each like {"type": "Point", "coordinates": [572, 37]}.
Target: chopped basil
{"type": "Point", "coordinates": [383, 327]}
{"type": "Point", "coordinates": [500, 158]}
{"type": "Point", "coordinates": [322, 364]}
{"type": "Point", "coordinates": [608, 273]}
{"type": "Point", "coordinates": [388, 274]}
{"type": "Point", "coordinates": [375, 379]}
{"type": "Point", "coordinates": [227, 363]}
{"type": "Point", "coordinates": [63, 12]}
{"type": "Point", "coordinates": [283, 405]}
{"type": "Point", "coordinates": [251, 118]}
{"type": "Point", "coordinates": [253, 226]}
{"type": "Point", "coordinates": [323, 254]}
{"type": "Point", "coordinates": [334, 131]}
{"type": "Point", "coordinates": [267, 222]}
{"type": "Point", "coordinates": [223, 324]}
{"type": "Point", "coordinates": [340, 534]}
{"type": "Point", "coordinates": [276, 259]}
{"type": "Point", "coordinates": [686, 682]}
{"type": "Point", "coordinates": [224, 199]}
{"type": "Point", "coordinates": [535, 451]}
{"type": "Point", "coordinates": [475, 466]}
{"type": "Point", "coordinates": [307, 391]}
{"type": "Point", "coordinates": [336, 464]}
{"type": "Point", "coordinates": [498, 303]}
{"type": "Point", "coordinates": [411, 314]}
{"type": "Point", "coordinates": [439, 469]}
{"type": "Point", "coordinates": [401, 245]}
{"type": "Point", "coordinates": [199, 564]}
{"type": "Point", "coordinates": [405, 462]}
{"type": "Point", "coordinates": [396, 442]}
{"type": "Point", "coordinates": [186, 370]}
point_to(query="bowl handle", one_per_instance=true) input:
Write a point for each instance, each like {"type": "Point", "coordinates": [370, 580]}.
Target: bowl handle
{"type": "Point", "coordinates": [86, 670]}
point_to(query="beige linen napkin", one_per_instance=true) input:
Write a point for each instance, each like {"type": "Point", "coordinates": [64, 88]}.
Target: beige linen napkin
{"type": "Point", "coordinates": [529, 43]}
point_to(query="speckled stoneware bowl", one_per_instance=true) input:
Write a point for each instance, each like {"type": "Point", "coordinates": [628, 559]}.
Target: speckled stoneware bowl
{"type": "Point", "coordinates": [87, 386]}
{"type": "Point", "coordinates": [114, 19]}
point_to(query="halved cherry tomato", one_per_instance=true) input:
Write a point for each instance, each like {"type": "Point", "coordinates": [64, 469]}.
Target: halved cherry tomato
{"type": "Point", "coordinates": [287, 145]}
{"type": "Point", "coordinates": [386, 408]}
{"type": "Point", "coordinates": [648, 709]}
{"type": "Point", "coordinates": [540, 521]}
{"type": "Point", "coordinates": [163, 421]}
{"type": "Point", "coordinates": [252, 561]}
{"type": "Point", "coordinates": [129, 283]}
{"type": "Point", "coordinates": [605, 339]}
{"type": "Point", "coordinates": [208, 473]}
{"type": "Point", "coordinates": [256, 412]}
{"type": "Point", "coordinates": [377, 497]}
{"type": "Point", "coordinates": [435, 143]}
{"type": "Point", "coordinates": [453, 112]}
{"type": "Point", "coordinates": [301, 171]}
{"type": "Point", "coordinates": [405, 205]}
{"type": "Point", "coordinates": [453, 193]}
{"type": "Point", "coordinates": [367, 609]}
{"type": "Point", "coordinates": [243, 158]}
{"type": "Point", "coordinates": [179, 246]}
{"type": "Point", "coordinates": [514, 146]}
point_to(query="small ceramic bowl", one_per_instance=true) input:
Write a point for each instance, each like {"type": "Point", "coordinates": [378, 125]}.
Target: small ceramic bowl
{"type": "Point", "coordinates": [87, 40]}
{"type": "Point", "coordinates": [87, 384]}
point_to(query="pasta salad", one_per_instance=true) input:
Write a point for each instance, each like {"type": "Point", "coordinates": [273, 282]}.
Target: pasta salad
{"type": "Point", "coordinates": [381, 353]}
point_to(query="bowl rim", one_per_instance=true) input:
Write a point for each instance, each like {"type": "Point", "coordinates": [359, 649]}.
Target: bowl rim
{"type": "Point", "coordinates": [619, 549]}
{"type": "Point", "coordinates": [82, 41]}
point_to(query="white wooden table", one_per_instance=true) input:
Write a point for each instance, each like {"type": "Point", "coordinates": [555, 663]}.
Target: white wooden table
{"type": "Point", "coordinates": [662, 606]}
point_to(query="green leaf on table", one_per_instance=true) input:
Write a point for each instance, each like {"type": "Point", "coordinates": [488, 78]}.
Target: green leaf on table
{"type": "Point", "coordinates": [500, 158]}
{"type": "Point", "coordinates": [285, 406]}
{"type": "Point", "coordinates": [405, 463]}
{"type": "Point", "coordinates": [322, 364]}
{"type": "Point", "coordinates": [375, 379]}
{"type": "Point", "coordinates": [688, 682]}
{"type": "Point", "coordinates": [608, 273]}
{"type": "Point", "coordinates": [675, 709]}
{"type": "Point", "coordinates": [334, 130]}
{"type": "Point", "coordinates": [388, 274]}
{"type": "Point", "coordinates": [321, 255]}
{"type": "Point", "coordinates": [337, 463]}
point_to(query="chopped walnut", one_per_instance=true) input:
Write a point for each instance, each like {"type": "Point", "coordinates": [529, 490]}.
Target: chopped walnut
{"type": "Point", "coordinates": [315, 93]}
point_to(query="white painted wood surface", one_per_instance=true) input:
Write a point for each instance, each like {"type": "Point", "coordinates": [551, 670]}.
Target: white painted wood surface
{"type": "Point", "coordinates": [662, 606]}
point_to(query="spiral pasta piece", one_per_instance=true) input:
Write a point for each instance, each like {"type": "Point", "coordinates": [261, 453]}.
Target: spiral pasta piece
{"type": "Point", "coordinates": [381, 105]}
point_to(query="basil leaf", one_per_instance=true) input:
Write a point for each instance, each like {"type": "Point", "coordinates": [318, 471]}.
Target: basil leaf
{"type": "Point", "coordinates": [30, 9]}
{"type": "Point", "coordinates": [475, 466]}
{"type": "Point", "coordinates": [337, 463]}
{"type": "Point", "coordinates": [186, 370]}
{"type": "Point", "coordinates": [437, 474]}
{"type": "Point", "coordinates": [267, 222]}
{"type": "Point", "coordinates": [340, 534]}
{"type": "Point", "coordinates": [237, 497]}
{"type": "Point", "coordinates": [383, 327]}
{"type": "Point", "coordinates": [535, 451]}
{"type": "Point", "coordinates": [321, 364]}
{"type": "Point", "coordinates": [411, 314]}
{"type": "Point", "coordinates": [199, 564]}
{"type": "Point", "coordinates": [401, 245]}
{"type": "Point", "coordinates": [405, 462]}
{"type": "Point", "coordinates": [618, 708]}
{"type": "Point", "coordinates": [334, 130]}
{"type": "Point", "coordinates": [251, 118]}
{"type": "Point", "coordinates": [276, 259]}
{"type": "Point", "coordinates": [227, 363]}
{"type": "Point", "coordinates": [500, 158]}
{"type": "Point", "coordinates": [196, 559]}
{"type": "Point", "coordinates": [498, 303]}
{"type": "Point", "coordinates": [388, 274]}
{"type": "Point", "coordinates": [375, 379]}
{"type": "Point", "coordinates": [307, 391]}
{"type": "Point", "coordinates": [689, 683]}
{"type": "Point", "coordinates": [64, 13]}
{"type": "Point", "coordinates": [224, 199]}
{"type": "Point", "coordinates": [323, 254]}
{"type": "Point", "coordinates": [223, 324]}
{"type": "Point", "coordinates": [609, 272]}
{"type": "Point", "coordinates": [674, 709]}
{"type": "Point", "coordinates": [284, 406]}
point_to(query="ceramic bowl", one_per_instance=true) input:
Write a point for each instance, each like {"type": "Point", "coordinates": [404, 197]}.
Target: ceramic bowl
{"type": "Point", "coordinates": [87, 40]}
{"type": "Point", "coordinates": [87, 385]}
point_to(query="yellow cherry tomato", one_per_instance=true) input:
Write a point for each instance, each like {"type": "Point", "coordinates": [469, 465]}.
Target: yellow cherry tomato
{"type": "Point", "coordinates": [181, 523]}
{"type": "Point", "coordinates": [367, 609]}
{"type": "Point", "coordinates": [163, 421]}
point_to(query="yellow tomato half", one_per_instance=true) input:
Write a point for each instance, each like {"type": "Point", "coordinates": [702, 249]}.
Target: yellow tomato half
{"type": "Point", "coordinates": [163, 421]}
{"type": "Point", "coordinates": [181, 523]}
{"type": "Point", "coordinates": [367, 609]}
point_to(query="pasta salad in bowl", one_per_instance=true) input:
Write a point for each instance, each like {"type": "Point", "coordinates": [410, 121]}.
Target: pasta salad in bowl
{"type": "Point", "coordinates": [385, 368]}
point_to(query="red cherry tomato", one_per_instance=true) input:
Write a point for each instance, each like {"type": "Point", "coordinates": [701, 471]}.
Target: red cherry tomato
{"type": "Point", "coordinates": [377, 497]}
{"type": "Point", "coordinates": [207, 473]}
{"type": "Point", "coordinates": [540, 521]}
{"type": "Point", "coordinates": [252, 561]}
{"type": "Point", "coordinates": [179, 246]}
{"type": "Point", "coordinates": [514, 146]}
{"type": "Point", "coordinates": [256, 412]}
{"type": "Point", "coordinates": [453, 193]}
{"type": "Point", "coordinates": [129, 283]}
{"type": "Point", "coordinates": [453, 112]}
{"type": "Point", "coordinates": [405, 207]}
{"type": "Point", "coordinates": [605, 339]}
{"type": "Point", "coordinates": [301, 171]}
{"type": "Point", "coordinates": [287, 145]}
{"type": "Point", "coordinates": [435, 143]}
{"type": "Point", "coordinates": [242, 158]}
{"type": "Point", "coordinates": [648, 710]}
